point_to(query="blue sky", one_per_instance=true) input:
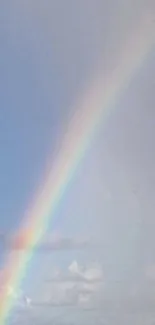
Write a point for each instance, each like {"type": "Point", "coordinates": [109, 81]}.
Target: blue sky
{"type": "Point", "coordinates": [49, 49]}
{"type": "Point", "coordinates": [29, 120]}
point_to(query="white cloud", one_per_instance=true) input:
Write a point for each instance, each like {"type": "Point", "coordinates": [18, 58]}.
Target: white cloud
{"type": "Point", "coordinates": [75, 269]}
{"type": "Point", "coordinates": [75, 286]}
{"type": "Point", "coordinates": [94, 273]}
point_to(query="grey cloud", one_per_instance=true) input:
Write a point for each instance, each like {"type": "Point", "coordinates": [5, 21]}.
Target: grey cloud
{"type": "Point", "coordinates": [9, 242]}
{"type": "Point", "coordinates": [79, 274]}
{"type": "Point", "coordinates": [65, 293]}
{"type": "Point", "coordinates": [72, 279]}
{"type": "Point", "coordinates": [73, 287]}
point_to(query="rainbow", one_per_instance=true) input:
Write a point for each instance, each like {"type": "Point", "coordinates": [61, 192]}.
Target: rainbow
{"type": "Point", "coordinates": [97, 102]}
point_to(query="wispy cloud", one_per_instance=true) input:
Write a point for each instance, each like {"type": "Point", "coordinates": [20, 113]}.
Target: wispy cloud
{"type": "Point", "coordinates": [10, 242]}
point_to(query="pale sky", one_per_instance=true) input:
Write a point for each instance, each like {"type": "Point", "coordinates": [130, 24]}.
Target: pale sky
{"type": "Point", "coordinates": [49, 50]}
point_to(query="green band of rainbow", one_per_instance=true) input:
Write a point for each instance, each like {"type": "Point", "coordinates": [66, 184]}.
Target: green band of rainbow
{"type": "Point", "coordinates": [90, 110]}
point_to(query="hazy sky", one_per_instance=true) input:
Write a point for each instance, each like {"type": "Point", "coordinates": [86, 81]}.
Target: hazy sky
{"type": "Point", "coordinates": [49, 49]}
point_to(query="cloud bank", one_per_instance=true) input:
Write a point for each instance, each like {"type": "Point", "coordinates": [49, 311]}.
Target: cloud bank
{"type": "Point", "coordinates": [74, 287]}
{"type": "Point", "coordinates": [51, 243]}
